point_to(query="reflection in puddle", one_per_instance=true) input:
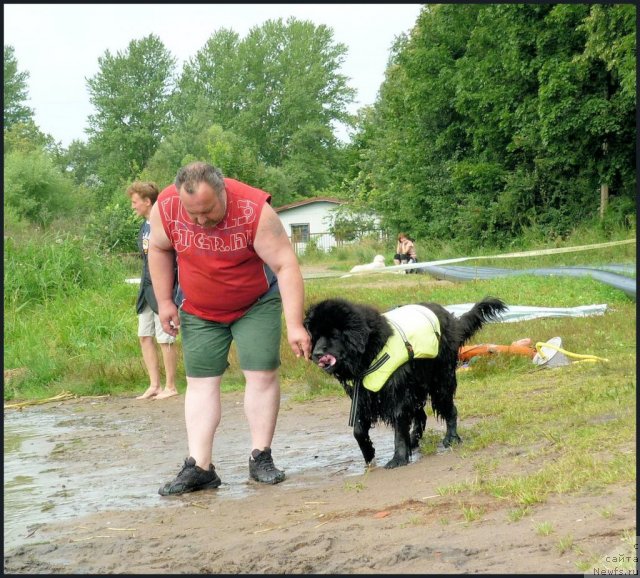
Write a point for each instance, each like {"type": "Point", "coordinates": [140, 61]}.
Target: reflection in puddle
{"type": "Point", "coordinates": [66, 462]}
{"type": "Point", "coordinates": [43, 484]}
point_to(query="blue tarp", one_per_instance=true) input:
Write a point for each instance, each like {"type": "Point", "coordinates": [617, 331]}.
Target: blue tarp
{"type": "Point", "coordinates": [462, 273]}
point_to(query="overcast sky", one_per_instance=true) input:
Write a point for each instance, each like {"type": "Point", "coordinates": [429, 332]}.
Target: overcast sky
{"type": "Point", "coordinates": [59, 44]}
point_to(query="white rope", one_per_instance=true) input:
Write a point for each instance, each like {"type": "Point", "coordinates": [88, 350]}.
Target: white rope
{"type": "Point", "coordinates": [500, 256]}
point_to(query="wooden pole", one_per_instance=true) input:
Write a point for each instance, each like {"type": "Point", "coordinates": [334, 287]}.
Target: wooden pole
{"type": "Point", "coordinates": [604, 198]}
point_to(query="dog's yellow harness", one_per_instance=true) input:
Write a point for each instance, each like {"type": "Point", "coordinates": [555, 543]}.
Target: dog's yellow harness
{"type": "Point", "coordinates": [416, 334]}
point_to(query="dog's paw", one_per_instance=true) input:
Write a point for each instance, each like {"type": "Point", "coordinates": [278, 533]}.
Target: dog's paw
{"type": "Point", "coordinates": [396, 463]}
{"type": "Point", "coordinates": [450, 440]}
{"type": "Point", "coordinates": [370, 465]}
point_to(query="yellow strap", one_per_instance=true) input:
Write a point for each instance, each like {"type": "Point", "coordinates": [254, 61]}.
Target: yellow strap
{"type": "Point", "coordinates": [542, 344]}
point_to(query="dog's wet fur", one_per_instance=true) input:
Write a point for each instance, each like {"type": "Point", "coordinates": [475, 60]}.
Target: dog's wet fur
{"type": "Point", "coordinates": [346, 338]}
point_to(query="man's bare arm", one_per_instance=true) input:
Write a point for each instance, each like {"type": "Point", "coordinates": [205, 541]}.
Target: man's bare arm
{"type": "Point", "coordinates": [161, 257]}
{"type": "Point", "coordinates": [273, 247]}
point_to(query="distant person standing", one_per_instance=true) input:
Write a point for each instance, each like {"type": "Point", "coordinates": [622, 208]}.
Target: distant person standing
{"type": "Point", "coordinates": [143, 196]}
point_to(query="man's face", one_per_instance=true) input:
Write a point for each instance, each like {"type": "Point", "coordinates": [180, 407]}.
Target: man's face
{"type": "Point", "coordinates": [142, 207]}
{"type": "Point", "coordinates": [204, 207]}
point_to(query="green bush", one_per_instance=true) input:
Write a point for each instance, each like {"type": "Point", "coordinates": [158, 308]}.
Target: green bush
{"type": "Point", "coordinates": [620, 214]}
{"type": "Point", "coordinates": [35, 188]}
{"type": "Point", "coordinates": [115, 228]}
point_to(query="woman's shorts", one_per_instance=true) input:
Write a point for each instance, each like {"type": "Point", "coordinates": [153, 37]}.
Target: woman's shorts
{"type": "Point", "coordinates": [257, 334]}
{"type": "Point", "coordinates": [149, 326]}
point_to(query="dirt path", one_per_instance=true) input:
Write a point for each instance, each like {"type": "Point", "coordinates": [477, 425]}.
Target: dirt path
{"type": "Point", "coordinates": [107, 457]}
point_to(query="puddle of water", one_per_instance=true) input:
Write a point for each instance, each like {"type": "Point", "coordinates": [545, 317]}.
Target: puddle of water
{"type": "Point", "coordinates": [62, 463]}
{"type": "Point", "coordinates": [41, 485]}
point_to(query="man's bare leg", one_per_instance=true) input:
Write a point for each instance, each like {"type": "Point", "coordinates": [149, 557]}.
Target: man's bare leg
{"type": "Point", "coordinates": [150, 357]}
{"type": "Point", "coordinates": [261, 405]}
{"type": "Point", "coordinates": [202, 413]}
{"type": "Point", "coordinates": [170, 359]}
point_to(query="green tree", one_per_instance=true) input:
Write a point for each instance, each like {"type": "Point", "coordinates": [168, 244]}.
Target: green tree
{"type": "Point", "coordinates": [277, 182]}
{"type": "Point", "coordinates": [35, 188]}
{"type": "Point", "coordinates": [610, 49]}
{"type": "Point", "coordinates": [186, 143]}
{"type": "Point", "coordinates": [26, 136]}
{"type": "Point", "coordinates": [80, 162]}
{"type": "Point", "coordinates": [309, 145]}
{"type": "Point", "coordinates": [414, 131]}
{"type": "Point", "coordinates": [279, 90]}
{"type": "Point", "coordinates": [234, 155]}
{"type": "Point", "coordinates": [497, 118]}
{"type": "Point", "coordinates": [15, 91]}
{"type": "Point", "coordinates": [131, 94]}
{"type": "Point", "coordinates": [291, 80]}
{"type": "Point", "coordinates": [210, 88]}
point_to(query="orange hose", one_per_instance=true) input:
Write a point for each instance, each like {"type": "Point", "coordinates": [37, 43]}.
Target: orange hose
{"type": "Point", "coordinates": [467, 352]}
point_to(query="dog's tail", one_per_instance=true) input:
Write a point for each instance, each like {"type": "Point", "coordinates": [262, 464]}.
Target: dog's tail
{"type": "Point", "coordinates": [489, 309]}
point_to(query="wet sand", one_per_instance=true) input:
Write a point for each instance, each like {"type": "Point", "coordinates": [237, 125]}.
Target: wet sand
{"type": "Point", "coordinates": [81, 481]}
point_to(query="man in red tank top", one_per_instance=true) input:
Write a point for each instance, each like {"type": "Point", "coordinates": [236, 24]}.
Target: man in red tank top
{"type": "Point", "coordinates": [238, 273]}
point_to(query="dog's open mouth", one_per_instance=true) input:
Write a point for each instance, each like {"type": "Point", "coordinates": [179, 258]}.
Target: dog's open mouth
{"type": "Point", "coordinates": [326, 361]}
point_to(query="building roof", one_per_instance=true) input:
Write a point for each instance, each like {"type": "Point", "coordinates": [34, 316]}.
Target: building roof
{"type": "Point", "coordinates": [308, 202]}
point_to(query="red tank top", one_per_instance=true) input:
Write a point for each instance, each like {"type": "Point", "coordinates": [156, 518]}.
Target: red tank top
{"type": "Point", "coordinates": [220, 274]}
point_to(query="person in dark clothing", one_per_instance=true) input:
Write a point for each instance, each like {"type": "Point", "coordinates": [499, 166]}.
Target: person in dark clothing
{"type": "Point", "coordinates": [143, 195]}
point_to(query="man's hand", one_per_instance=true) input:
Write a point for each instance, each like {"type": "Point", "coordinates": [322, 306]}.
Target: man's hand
{"type": "Point", "coordinates": [300, 341]}
{"type": "Point", "coordinates": [168, 314]}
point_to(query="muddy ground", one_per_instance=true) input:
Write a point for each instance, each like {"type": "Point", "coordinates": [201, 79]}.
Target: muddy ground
{"type": "Point", "coordinates": [92, 504]}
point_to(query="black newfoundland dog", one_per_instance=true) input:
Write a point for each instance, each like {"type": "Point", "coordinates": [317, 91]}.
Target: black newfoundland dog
{"type": "Point", "coordinates": [390, 364]}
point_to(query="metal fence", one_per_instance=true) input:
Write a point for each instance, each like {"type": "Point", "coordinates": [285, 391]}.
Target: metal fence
{"type": "Point", "coordinates": [326, 241]}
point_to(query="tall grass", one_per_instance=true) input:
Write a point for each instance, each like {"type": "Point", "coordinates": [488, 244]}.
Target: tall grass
{"type": "Point", "coordinates": [70, 318]}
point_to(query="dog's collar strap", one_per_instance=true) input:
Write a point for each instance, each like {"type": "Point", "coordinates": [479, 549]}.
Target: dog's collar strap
{"type": "Point", "coordinates": [378, 362]}
{"type": "Point", "coordinates": [403, 336]}
{"type": "Point", "coordinates": [416, 334]}
{"type": "Point", "coordinates": [354, 403]}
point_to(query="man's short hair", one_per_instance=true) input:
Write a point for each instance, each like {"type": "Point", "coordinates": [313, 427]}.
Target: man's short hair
{"type": "Point", "coordinates": [145, 190]}
{"type": "Point", "coordinates": [191, 175]}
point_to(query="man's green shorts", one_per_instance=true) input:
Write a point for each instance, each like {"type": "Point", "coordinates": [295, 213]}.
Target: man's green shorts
{"type": "Point", "coordinates": [205, 344]}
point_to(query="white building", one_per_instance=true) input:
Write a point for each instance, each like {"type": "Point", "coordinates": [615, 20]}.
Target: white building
{"type": "Point", "coordinates": [309, 220]}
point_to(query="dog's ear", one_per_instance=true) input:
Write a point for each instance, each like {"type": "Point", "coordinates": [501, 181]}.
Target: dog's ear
{"type": "Point", "coordinates": [308, 316]}
{"type": "Point", "coordinates": [356, 335]}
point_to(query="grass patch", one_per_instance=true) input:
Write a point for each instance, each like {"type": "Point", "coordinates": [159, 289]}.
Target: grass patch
{"type": "Point", "coordinates": [517, 514]}
{"type": "Point", "coordinates": [354, 487]}
{"type": "Point", "coordinates": [471, 513]}
{"type": "Point", "coordinates": [544, 529]}
{"type": "Point", "coordinates": [572, 428]}
{"type": "Point", "coordinates": [564, 544]}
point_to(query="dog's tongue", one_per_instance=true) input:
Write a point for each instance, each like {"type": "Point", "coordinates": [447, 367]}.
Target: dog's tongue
{"type": "Point", "coordinates": [326, 361]}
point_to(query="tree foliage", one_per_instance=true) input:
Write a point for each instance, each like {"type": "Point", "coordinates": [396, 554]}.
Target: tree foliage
{"type": "Point", "coordinates": [131, 94]}
{"type": "Point", "coordinates": [495, 118]}
{"type": "Point", "coordinates": [279, 90]}
{"type": "Point", "coordinates": [493, 121]}
{"type": "Point", "coordinates": [16, 91]}
{"type": "Point", "coordinates": [35, 188]}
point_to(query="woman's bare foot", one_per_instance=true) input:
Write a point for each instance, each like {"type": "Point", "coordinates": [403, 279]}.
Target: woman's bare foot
{"type": "Point", "coordinates": [150, 393]}
{"type": "Point", "coordinates": [167, 393]}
